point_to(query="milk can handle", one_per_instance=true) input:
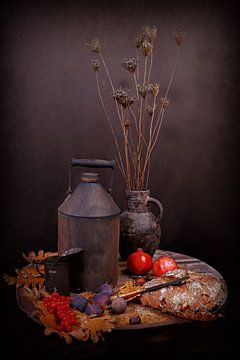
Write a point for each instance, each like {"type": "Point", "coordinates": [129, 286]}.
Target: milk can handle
{"type": "Point", "coordinates": [93, 163]}
{"type": "Point", "coordinates": [159, 205]}
{"type": "Point", "coordinates": [90, 163]}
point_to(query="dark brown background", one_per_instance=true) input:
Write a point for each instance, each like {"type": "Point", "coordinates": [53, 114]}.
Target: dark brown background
{"type": "Point", "coordinates": [50, 113]}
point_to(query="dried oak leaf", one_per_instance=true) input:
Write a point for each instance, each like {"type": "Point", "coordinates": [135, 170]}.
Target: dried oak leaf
{"type": "Point", "coordinates": [98, 325]}
{"type": "Point", "coordinates": [10, 280]}
{"type": "Point", "coordinates": [39, 257]}
{"type": "Point", "coordinates": [50, 322]}
{"type": "Point", "coordinates": [47, 319]}
{"type": "Point", "coordinates": [62, 334]}
{"type": "Point", "coordinates": [80, 329]}
{"type": "Point", "coordinates": [31, 294]}
{"type": "Point", "coordinates": [29, 277]}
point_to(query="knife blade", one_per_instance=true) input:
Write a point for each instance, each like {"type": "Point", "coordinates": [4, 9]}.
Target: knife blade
{"type": "Point", "coordinates": [131, 294]}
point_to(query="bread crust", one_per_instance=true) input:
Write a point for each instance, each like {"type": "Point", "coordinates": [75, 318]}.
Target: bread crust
{"type": "Point", "coordinates": [202, 297]}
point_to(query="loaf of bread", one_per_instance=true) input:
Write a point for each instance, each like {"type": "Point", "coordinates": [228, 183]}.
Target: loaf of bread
{"type": "Point", "coordinates": [201, 297]}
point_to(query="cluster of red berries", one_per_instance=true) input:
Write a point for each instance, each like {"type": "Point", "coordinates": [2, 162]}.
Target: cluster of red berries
{"type": "Point", "coordinates": [59, 305]}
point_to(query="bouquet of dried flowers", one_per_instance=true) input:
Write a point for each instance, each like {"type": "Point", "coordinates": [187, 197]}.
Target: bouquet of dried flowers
{"type": "Point", "coordinates": [140, 115]}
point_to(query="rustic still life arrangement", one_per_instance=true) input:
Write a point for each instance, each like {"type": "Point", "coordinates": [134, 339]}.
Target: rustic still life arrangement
{"type": "Point", "coordinates": [84, 289]}
{"type": "Point", "coordinates": [150, 292]}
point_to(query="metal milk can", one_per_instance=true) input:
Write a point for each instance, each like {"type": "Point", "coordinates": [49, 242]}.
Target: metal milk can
{"type": "Point", "coordinates": [90, 219]}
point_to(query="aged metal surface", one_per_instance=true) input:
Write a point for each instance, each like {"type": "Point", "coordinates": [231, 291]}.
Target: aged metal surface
{"type": "Point", "coordinates": [98, 262]}
{"type": "Point", "coordinates": [90, 219]}
{"type": "Point", "coordinates": [89, 200]}
{"type": "Point", "coordinates": [57, 275]}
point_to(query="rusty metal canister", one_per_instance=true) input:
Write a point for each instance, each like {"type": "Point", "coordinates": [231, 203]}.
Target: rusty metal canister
{"type": "Point", "coordinates": [90, 219]}
{"type": "Point", "coordinates": [57, 275]}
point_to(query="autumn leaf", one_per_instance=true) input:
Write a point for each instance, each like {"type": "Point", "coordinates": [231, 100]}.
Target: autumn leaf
{"type": "Point", "coordinates": [26, 278]}
{"type": "Point", "coordinates": [30, 277]}
{"type": "Point", "coordinates": [10, 280]}
{"type": "Point", "coordinates": [98, 325]}
{"type": "Point", "coordinates": [62, 334]}
{"type": "Point", "coordinates": [43, 293]}
{"type": "Point", "coordinates": [31, 257]}
{"type": "Point", "coordinates": [50, 322]}
{"type": "Point", "coordinates": [47, 319]}
{"type": "Point", "coordinates": [80, 329]}
{"type": "Point", "coordinates": [31, 294]}
{"type": "Point", "coordinates": [79, 334]}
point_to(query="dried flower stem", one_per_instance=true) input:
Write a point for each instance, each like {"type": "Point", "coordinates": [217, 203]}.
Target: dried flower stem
{"type": "Point", "coordinates": [135, 81]}
{"type": "Point", "coordinates": [150, 67]}
{"type": "Point", "coordinates": [111, 83]}
{"type": "Point", "coordinates": [173, 72]}
{"type": "Point", "coordinates": [150, 138]}
{"type": "Point", "coordinates": [126, 150]}
{"type": "Point", "coordinates": [121, 166]}
{"type": "Point", "coordinates": [127, 174]}
{"type": "Point", "coordinates": [135, 119]}
{"type": "Point", "coordinates": [145, 70]}
{"type": "Point", "coordinates": [139, 134]}
{"type": "Point", "coordinates": [158, 125]}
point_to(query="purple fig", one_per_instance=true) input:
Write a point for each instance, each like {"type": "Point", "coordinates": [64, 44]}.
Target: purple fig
{"type": "Point", "coordinates": [119, 305]}
{"type": "Point", "coordinates": [79, 302]}
{"type": "Point", "coordinates": [106, 288]}
{"type": "Point", "coordinates": [93, 309]}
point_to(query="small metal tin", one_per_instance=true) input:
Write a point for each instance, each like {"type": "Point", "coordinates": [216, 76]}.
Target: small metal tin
{"type": "Point", "coordinates": [57, 275]}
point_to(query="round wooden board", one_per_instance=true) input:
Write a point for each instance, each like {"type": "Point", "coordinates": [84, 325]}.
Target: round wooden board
{"type": "Point", "coordinates": [149, 317]}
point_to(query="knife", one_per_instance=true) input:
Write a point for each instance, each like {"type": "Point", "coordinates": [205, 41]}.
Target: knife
{"type": "Point", "coordinates": [133, 294]}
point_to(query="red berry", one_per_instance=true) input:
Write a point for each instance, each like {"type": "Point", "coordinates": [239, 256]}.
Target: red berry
{"type": "Point", "coordinates": [140, 281]}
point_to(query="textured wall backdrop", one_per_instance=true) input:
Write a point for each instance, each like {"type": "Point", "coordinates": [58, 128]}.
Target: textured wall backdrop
{"type": "Point", "coordinates": [51, 113]}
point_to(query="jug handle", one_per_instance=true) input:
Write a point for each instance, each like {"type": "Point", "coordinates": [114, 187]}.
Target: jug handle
{"type": "Point", "coordinates": [159, 205]}
{"type": "Point", "coordinates": [90, 163]}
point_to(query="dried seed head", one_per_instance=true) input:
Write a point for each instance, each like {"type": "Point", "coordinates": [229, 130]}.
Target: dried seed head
{"type": "Point", "coordinates": [94, 46]}
{"type": "Point", "coordinates": [122, 97]}
{"type": "Point", "coordinates": [150, 33]}
{"type": "Point", "coordinates": [143, 90]}
{"type": "Point", "coordinates": [146, 47]}
{"type": "Point", "coordinates": [130, 64]}
{"type": "Point", "coordinates": [127, 124]}
{"type": "Point", "coordinates": [154, 89]}
{"type": "Point", "coordinates": [179, 37]}
{"type": "Point", "coordinates": [151, 109]}
{"type": "Point", "coordinates": [95, 64]}
{"type": "Point", "coordinates": [164, 102]}
{"type": "Point", "coordinates": [146, 39]}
